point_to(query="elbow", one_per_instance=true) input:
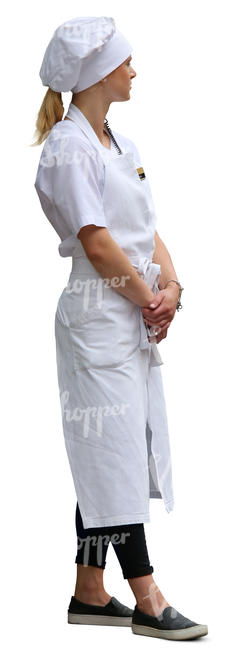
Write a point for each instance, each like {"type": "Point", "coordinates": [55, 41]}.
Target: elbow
{"type": "Point", "coordinates": [93, 251]}
{"type": "Point", "coordinates": [95, 254]}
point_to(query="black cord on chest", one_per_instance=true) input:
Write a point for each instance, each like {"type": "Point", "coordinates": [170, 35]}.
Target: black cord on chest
{"type": "Point", "coordinates": [112, 136]}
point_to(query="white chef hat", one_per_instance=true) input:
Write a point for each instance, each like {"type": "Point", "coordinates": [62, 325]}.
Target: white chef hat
{"type": "Point", "coordinates": [81, 52]}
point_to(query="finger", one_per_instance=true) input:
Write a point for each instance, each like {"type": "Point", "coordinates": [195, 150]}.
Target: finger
{"type": "Point", "coordinates": [161, 335]}
{"type": "Point", "coordinates": [155, 318]}
{"type": "Point", "coordinates": [159, 338]}
{"type": "Point", "coordinates": [156, 313]}
{"type": "Point", "coordinates": [152, 312]}
{"type": "Point", "coordinates": [163, 323]}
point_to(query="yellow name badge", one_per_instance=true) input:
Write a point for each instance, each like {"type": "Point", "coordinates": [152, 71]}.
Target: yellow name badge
{"type": "Point", "coordinates": [141, 173]}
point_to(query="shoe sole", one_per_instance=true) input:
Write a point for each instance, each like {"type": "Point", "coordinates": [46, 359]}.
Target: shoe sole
{"type": "Point", "coordinates": [92, 619]}
{"type": "Point", "coordinates": [184, 633]}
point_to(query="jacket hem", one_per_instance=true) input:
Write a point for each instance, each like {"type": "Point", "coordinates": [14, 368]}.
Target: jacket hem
{"type": "Point", "coordinates": [169, 505]}
{"type": "Point", "coordinates": [93, 522]}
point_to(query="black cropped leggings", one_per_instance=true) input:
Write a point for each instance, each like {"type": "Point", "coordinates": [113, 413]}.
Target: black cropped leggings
{"type": "Point", "coordinates": [128, 541]}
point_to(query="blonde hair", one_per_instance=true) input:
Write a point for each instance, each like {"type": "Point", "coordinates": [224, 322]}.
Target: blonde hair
{"type": "Point", "coordinates": [51, 111]}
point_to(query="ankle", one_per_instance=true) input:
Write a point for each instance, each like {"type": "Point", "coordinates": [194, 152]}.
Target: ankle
{"type": "Point", "coordinates": [152, 603]}
{"type": "Point", "coordinates": [89, 588]}
{"type": "Point", "coordinates": [96, 596]}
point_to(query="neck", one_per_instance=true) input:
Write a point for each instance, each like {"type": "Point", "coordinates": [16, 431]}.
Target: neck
{"type": "Point", "coordinates": [94, 108]}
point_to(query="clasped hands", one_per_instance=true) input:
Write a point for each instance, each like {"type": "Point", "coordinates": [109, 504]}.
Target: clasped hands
{"type": "Point", "coordinates": [162, 314]}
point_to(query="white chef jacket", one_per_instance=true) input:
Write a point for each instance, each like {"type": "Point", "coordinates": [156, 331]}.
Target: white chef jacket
{"type": "Point", "coordinates": [69, 197]}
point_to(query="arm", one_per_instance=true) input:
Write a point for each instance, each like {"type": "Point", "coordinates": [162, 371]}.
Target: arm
{"type": "Point", "coordinates": [167, 298]}
{"type": "Point", "coordinates": [161, 256]}
{"type": "Point", "coordinates": [111, 262]}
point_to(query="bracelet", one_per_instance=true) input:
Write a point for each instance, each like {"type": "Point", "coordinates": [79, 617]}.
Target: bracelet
{"type": "Point", "coordinates": [178, 306]}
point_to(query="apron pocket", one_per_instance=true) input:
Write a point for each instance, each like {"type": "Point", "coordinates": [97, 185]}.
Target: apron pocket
{"type": "Point", "coordinates": [86, 337]}
{"type": "Point", "coordinates": [104, 337]}
{"type": "Point", "coordinates": [103, 326]}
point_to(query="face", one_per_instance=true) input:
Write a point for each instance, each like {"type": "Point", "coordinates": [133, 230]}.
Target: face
{"type": "Point", "coordinates": [118, 83]}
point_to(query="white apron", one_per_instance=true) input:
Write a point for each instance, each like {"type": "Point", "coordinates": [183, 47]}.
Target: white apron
{"type": "Point", "coordinates": [111, 390]}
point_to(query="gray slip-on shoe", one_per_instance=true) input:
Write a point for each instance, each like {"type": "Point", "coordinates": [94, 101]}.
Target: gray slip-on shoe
{"type": "Point", "coordinates": [170, 624]}
{"type": "Point", "coordinates": [113, 613]}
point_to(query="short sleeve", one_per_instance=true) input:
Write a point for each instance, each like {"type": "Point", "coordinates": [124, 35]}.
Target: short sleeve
{"type": "Point", "coordinates": [69, 175]}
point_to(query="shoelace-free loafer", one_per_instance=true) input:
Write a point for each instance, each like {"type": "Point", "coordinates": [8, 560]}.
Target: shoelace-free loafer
{"type": "Point", "coordinates": [113, 613]}
{"type": "Point", "coordinates": [170, 624]}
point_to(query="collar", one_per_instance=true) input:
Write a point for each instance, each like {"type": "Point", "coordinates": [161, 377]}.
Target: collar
{"type": "Point", "coordinates": [79, 118]}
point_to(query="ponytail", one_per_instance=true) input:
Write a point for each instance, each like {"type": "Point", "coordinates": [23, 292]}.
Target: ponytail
{"type": "Point", "coordinates": [51, 111]}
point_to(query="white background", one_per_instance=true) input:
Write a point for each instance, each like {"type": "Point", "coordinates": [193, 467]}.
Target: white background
{"type": "Point", "coordinates": [182, 116]}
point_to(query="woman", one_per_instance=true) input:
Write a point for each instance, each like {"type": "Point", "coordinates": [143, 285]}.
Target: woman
{"type": "Point", "coordinates": [95, 193]}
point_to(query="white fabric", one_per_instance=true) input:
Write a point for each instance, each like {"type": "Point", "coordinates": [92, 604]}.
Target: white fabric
{"type": "Point", "coordinates": [81, 52]}
{"type": "Point", "coordinates": [110, 383]}
{"type": "Point", "coordinates": [70, 177]}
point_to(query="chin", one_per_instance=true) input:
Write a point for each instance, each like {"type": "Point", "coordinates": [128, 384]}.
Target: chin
{"type": "Point", "coordinates": [122, 99]}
